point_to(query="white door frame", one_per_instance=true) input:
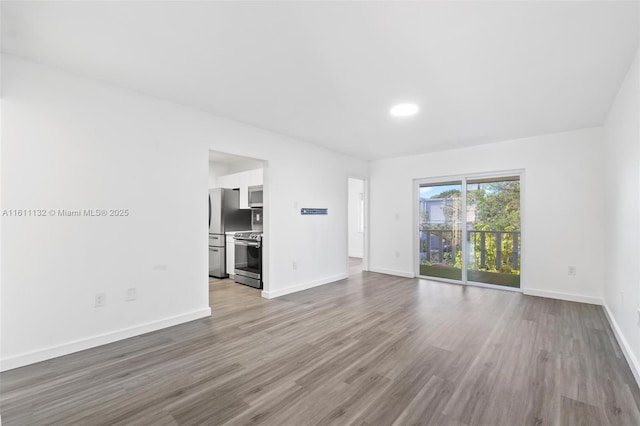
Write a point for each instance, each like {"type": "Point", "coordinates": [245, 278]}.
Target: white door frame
{"type": "Point", "coordinates": [365, 248]}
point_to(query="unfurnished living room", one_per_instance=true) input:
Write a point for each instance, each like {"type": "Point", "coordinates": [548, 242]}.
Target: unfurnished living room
{"type": "Point", "coordinates": [307, 212]}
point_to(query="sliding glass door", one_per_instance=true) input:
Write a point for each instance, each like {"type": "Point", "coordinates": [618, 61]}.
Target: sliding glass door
{"type": "Point", "coordinates": [493, 231]}
{"type": "Point", "coordinates": [441, 230]}
{"type": "Point", "coordinates": [481, 246]}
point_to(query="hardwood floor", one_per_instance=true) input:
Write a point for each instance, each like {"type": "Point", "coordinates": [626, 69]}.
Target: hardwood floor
{"type": "Point", "coordinates": [371, 350]}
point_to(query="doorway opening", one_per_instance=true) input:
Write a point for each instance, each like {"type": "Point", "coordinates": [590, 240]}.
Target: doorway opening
{"type": "Point", "coordinates": [356, 225]}
{"type": "Point", "coordinates": [237, 249]}
{"type": "Point", "coordinates": [469, 229]}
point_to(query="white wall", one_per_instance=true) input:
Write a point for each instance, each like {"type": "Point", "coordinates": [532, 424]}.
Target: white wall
{"type": "Point", "coordinates": [622, 225]}
{"type": "Point", "coordinates": [215, 171]}
{"type": "Point", "coordinates": [355, 237]}
{"type": "Point", "coordinates": [222, 168]}
{"type": "Point", "coordinates": [73, 143]}
{"type": "Point", "coordinates": [562, 208]}
{"type": "Point", "coordinates": [1, 187]}
{"type": "Point", "coordinates": [243, 166]}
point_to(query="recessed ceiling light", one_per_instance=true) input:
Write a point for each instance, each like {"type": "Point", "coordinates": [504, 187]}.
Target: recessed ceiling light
{"type": "Point", "coordinates": [404, 110]}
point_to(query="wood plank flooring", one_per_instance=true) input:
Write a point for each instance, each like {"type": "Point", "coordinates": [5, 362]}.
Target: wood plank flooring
{"type": "Point", "coordinates": [371, 350]}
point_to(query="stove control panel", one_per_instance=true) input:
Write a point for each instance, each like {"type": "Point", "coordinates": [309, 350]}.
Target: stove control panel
{"type": "Point", "coordinates": [248, 236]}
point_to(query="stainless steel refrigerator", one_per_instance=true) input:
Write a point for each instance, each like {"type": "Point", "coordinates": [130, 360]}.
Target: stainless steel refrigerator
{"type": "Point", "coordinates": [224, 215]}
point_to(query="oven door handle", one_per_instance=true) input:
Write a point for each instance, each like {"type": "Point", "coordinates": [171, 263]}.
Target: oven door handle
{"type": "Point", "coordinates": [248, 243]}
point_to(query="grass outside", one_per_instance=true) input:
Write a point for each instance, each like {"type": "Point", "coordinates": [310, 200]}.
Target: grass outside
{"type": "Point", "coordinates": [451, 273]}
{"type": "Point", "coordinates": [441, 271]}
{"type": "Point", "coordinates": [507, 280]}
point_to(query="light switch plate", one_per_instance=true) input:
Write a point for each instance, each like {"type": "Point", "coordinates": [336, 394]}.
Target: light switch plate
{"type": "Point", "coordinates": [132, 294]}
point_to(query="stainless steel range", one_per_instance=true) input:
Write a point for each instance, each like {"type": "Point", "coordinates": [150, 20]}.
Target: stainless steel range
{"type": "Point", "coordinates": [248, 258]}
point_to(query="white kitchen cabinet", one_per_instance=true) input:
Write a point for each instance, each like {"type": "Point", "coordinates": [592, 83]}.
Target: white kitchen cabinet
{"type": "Point", "coordinates": [244, 193]}
{"type": "Point", "coordinates": [242, 180]}
{"type": "Point", "coordinates": [231, 255]}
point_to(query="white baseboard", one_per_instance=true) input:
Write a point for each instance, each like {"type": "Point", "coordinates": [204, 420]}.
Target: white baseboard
{"type": "Point", "coordinates": [99, 340]}
{"type": "Point", "coordinates": [624, 345]}
{"type": "Point", "coordinates": [562, 296]}
{"type": "Point", "coordinates": [393, 272]}
{"type": "Point", "coordinates": [293, 289]}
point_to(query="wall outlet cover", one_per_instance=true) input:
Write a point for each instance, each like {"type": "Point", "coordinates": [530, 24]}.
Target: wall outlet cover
{"type": "Point", "coordinates": [100, 300]}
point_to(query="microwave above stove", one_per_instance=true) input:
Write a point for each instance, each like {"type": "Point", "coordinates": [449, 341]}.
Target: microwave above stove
{"type": "Point", "coordinates": [255, 196]}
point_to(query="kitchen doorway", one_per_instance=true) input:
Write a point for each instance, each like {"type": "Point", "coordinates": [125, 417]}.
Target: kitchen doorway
{"type": "Point", "coordinates": [238, 201]}
{"type": "Point", "coordinates": [356, 225]}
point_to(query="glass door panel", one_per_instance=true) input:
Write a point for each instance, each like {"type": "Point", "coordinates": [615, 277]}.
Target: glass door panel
{"type": "Point", "coordinates": [440, 228]}
{"type": "Point", "coordinates": [493, 231]}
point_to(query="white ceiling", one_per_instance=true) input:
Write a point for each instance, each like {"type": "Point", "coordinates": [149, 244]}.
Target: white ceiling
{"type": "Point", "coordinates": [328, 72]}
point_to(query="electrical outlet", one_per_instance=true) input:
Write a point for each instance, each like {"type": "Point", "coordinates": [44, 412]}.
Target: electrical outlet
{"type": "Point", "coordinates": [101, 300]}
{"type": "Point", "coordinates": [572, 270]}
{"type": "Point", "coordinates": [295, 265]}
{"type": "Point", "coordinates": [132, 294]}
